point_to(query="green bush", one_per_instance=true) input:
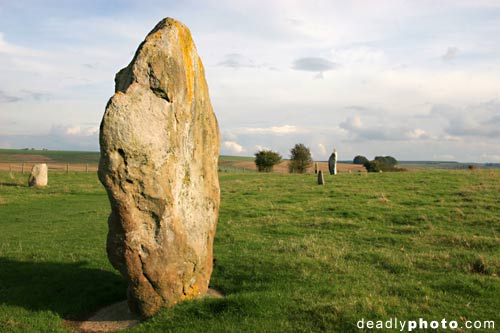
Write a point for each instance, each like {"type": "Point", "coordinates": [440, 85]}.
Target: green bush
{"type": "Point", "coordinates": [300, 159]}
{"type": "Point", "coordinates": [359, 159]}
{"type": "Point", "coordinates": [373, 166]}
{"type": "Point", "coordinates": [388, 160]}
{"type": "Point", "coordinates": [265, 160]}
{"type": "Point", "coordinates": [382, 164]}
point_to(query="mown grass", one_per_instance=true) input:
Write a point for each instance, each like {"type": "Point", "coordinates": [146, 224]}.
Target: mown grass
{"type": "Point", "coordinates": [292, 256]}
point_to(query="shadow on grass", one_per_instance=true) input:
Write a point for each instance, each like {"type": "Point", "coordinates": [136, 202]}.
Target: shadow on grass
{"type": "Point", "coordinates": [12, 184]}
{"type": "Point", "coordinates": [69, 289]}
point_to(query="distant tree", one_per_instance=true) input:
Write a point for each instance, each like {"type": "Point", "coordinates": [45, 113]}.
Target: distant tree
{"type": "Point", "coordinates": [300, 159]}
{"type": "Point", "coordinates": [265, 160]}
{"type": "Point", "coordinates": [382, 163]}
{"type": "Point", "coordinates": [373, 166]}
{"type": "Point", "coordinates": [359, 159]}
{"type": "Point", "coordinates": [389, 160]}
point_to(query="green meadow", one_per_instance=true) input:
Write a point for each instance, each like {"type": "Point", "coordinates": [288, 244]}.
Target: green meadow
{"type": "Point", "coordinates": [54, 156]}
{"type": "Point", "coordinates": [291, 256]}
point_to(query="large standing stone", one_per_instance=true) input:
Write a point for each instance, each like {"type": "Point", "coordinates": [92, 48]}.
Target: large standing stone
{"type": "Point", "coordinates": [159, 150]}
{"type": "Point", "coordinates": [332, 163]}
{"type": "Point", "coordinates": [39, 175]}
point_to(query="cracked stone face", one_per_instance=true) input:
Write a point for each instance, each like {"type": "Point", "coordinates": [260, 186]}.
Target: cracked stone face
{"type": "Point", "coordinates": [159, 143]}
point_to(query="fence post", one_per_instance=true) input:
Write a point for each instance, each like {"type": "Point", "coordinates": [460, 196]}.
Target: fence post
{"type": "Point", "coordinates": [86, 168]}
{"type": "Point", "coordinates": [22, 169]}
{"type": "Point", "coordinates": [10, 167]}
{"type": "Point", "coordinates": [67, 167]}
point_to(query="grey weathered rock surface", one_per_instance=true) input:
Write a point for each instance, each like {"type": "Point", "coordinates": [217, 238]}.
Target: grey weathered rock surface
{"type": "Point", "coordinates": [332, 163]}
{"type": "Point", "coordinates": [39, 175]}
{"type": "Point", "coordinates": [159, 150]}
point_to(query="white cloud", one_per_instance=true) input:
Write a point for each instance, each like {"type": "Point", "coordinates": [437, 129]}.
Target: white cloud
{"type": "Point", "coordinates": [233, 147]}
{"type": "Point", "coordinates": [276, 130]}
{"type": "Point", "coordinates": [473, 120]}
{"type": "Point", "coordinates": [356, 55]}
{"type": "Point", "coordinates": [260, 148]}
{"type": "Point", "coordinates": [62, 137]}
{"type": "Point", "coordinates": [352, 123]}
{"type": "Point", "coordinates": [6, 47]}
{"type": "Point", "coordinates": [78, 130]}
{"type": "Point", "coordinates": [417, 133]}
{"type": "Point", "coordinates": [73, 130]}
{"type": "Point", "coordinates": [236, 60]}
{"type": "Point", "coordinates": [12, 49]}
{"type": "Point", "coordinates": [380, 129]}
{"type": "Point", "coordinates": [490, 158]}
{"type": "Point", "coordinates": [322, 149]}
{"type": "Point", "coordinates": [7, 98]}
{"type": "Point", "coordinates": [91, 131]}
{"type": "Point", "coordinates": [313, 64]}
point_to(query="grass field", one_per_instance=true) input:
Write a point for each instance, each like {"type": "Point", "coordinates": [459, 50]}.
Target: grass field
{"type": "Point", "coordinates": [13, 159]}
{"type": "Point", "coordinates": [56, 156]}
{"type": "Point", "coordinates": [292, 256]}
{"type": "Point", "coordinates": [61, 156]}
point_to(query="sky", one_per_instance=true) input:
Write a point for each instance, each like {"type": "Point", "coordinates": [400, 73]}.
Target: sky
{"type": "Point", "coordinates": [417, 80]}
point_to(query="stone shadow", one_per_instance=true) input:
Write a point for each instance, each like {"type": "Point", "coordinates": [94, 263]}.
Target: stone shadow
{"type": "Point", "coordinates": [72, 290]}
{"type": "Point", "coordinates": [7, 184]}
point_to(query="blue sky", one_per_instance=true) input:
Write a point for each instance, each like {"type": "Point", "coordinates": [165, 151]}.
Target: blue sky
{"type": "Point", "coordinates": [418, 80]}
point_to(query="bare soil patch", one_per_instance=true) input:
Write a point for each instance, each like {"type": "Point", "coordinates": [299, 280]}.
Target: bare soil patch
{"type": "Point", "coordinates": [109, 319]}
{"type": "Point", "coordinates": [117, 317]}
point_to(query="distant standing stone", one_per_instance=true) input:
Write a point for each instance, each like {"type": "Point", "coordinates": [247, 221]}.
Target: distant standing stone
{"type": "Point", "coordinates": [332, 163]}
{"type": "Point", "coordinates": [321, 179]}
{"type": "Point", "coordinates": [159, 143]}
{"type": "Point", "coordinates": [39, 175]}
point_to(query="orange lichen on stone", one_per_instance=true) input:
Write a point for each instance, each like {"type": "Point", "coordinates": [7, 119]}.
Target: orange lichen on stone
{"type": "Point", "coordinates": [156, 35]}
{"type": "Point", "coordinates": [186, 42]}
{"type": "Point", "coordinates": [191, 293]}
